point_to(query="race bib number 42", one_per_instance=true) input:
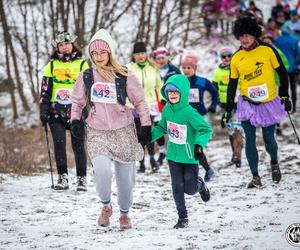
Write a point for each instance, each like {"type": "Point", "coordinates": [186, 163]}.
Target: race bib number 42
{"type": "Point", "coordinates": [177, 133]}
{"type": "Point", "coordinates": [104, 92]}
{"type": "Point", "coordinates": [258, 93]}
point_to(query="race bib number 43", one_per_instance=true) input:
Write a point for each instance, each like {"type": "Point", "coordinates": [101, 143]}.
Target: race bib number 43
{"type": "Point", "coordinates": [258, 93]}
{"type": "Point", "coordinates": [177, 133]}
{"type": "Point", "coordinates": [104, 92]}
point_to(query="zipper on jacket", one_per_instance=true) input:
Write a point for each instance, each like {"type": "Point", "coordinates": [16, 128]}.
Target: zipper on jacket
{"type": "Point", "coordinates": [143, 84]}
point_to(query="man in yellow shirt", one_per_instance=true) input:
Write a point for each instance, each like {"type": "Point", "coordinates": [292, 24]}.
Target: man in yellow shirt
{"type": "Point", "coordinates": [259, 105]}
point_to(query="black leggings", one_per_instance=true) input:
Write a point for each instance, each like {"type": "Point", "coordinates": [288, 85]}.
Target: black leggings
{"type": "Point", "coordinates": [184, 179]}
{"type": "Point", "coordinates": [58, 132]}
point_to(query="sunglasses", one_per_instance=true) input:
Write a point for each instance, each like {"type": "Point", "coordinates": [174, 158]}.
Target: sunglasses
{"type": "Point", "coordinates": [224, 56]}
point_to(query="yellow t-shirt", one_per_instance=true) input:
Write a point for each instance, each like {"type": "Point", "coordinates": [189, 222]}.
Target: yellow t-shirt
{"type": "Point", "coordinates": [255, 70]}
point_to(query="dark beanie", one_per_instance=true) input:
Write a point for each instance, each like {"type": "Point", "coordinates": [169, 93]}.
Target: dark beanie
{"type": "Point", "coordinates": [246, 25]}
{"type": "Point", "coordinates": [139, 47]}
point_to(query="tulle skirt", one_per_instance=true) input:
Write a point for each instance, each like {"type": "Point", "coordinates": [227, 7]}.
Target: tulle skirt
{"type": "Point", "coordinates": [263, 115]}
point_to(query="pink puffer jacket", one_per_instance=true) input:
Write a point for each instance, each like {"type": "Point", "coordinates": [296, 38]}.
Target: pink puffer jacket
{"type": "Point", "coordinates": [105, 116]}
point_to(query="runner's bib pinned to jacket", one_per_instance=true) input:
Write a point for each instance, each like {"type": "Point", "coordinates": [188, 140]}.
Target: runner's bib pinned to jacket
{"type": "Point", "coordinates": [194, 96]}
{"type": "Point", "coordinates": [177, 133]}
{"type": "Point", "coordinates": [63, 96]}
{"type": "Point", "coordinates": [103, 92]}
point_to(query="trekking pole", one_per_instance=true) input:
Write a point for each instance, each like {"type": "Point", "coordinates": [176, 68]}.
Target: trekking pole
{"type": "Point", "coordinates": [295, 131]}
{"type": "Point", "coordinates": [49, 154]}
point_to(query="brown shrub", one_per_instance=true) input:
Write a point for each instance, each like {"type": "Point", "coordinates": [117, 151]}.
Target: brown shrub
{"type": "Point", "coordinates": [23, 151]}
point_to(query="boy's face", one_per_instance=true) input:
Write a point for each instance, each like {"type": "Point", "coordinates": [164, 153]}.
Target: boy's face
{"type": "Point", "coordinates": [174, 97]}
{"type": "Point", "coordinates": [188, 71]}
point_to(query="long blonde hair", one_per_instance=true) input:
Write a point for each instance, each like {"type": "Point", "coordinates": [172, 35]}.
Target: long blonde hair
{"type": "Point", "coordinates": [113, 67]}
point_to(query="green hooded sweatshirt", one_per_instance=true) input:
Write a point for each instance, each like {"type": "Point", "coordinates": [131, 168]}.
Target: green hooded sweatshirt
{"type": "Point", "coordinates": [183, 124]}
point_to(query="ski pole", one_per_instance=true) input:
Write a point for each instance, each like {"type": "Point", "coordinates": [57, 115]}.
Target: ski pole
{"type": "Point", "coordinates": [295, 131]}
{"type": "Point", "coordinates": [49, 154]}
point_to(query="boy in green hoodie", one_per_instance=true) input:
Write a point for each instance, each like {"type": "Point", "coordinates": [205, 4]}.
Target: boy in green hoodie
{"type": "Point", "coordinates": [188, 133]}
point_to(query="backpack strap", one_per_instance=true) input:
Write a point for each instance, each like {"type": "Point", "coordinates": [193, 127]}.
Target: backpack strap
{"type": "Point", "coordinates": [51, 66]}
{"type": "Point", "coordinates": [81, 65]}
{"type": "Point", "coordinates": [121, 82]}
{"type": "Point", "coordinates": [88, 80]}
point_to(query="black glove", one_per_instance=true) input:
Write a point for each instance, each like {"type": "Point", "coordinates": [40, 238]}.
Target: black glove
{"type": "Point", "coordinates": [225, 118]}
{"type": "Point", "coordinates": [198, 152]}
{"type": "Point", "coordinates": [44, 117]}
{"type": "Point", "coordinates": [163, 102]}
{"type": "Point", "coordinates": [287, 103]}
{"type": "Point", "coordinates": [145, 135]}
{"type": "Point", "coordinates": [77, 129]}
{"type": "Point", "coordinates": [211, 110]}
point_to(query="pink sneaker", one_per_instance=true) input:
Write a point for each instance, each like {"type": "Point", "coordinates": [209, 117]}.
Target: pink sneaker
{"type": "Point", "coordinates": [106, 213]}
{"type": "Point", "coordinates": [125, 222]}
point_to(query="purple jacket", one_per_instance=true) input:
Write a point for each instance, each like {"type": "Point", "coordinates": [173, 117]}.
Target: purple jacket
{"type": "Point", "coordinates": [105, 116]}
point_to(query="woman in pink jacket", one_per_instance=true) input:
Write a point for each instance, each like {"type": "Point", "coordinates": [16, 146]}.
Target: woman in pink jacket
{"type": "Point", "coordinates": [111, 133]}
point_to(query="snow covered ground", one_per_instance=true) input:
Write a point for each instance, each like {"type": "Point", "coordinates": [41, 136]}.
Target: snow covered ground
{"type": "Point", "coordinates": [33, 216]}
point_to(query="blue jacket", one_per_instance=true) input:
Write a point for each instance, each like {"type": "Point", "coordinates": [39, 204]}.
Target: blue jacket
{"type": "Point", "coordinates": [198, 86]}
{"type": "Point", "coordinates": [289, 46]}
{"type": "Point", "coordinates": [172, 70]}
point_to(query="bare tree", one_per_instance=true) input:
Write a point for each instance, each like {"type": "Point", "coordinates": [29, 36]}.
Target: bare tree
{"type": "Point", "coordinates": [33, 24]}
{"type": "Point", "coordinates": [8, 41]}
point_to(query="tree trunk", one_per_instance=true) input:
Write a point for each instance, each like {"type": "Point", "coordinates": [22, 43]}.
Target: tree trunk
{"type": "Point", "coordinates": [11, 84]}
{"type": "Point", "coordinates": [8, 41]}
{"type": "Point", "coordinates": [188, 23]}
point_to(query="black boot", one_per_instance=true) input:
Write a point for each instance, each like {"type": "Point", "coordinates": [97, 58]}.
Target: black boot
{"type": "Point", "coordinates": [142, 167]}
{"type": "Point", "coordinates": [161, 158]}
{"type": "Point", "coordinates": [204, 192]}
{"type": "Point", "coordinates": [255, 182]}
{"type": "Point", "coordinates": [153, 164]}
{"type": "Point", "coordinates": [182, 223]}
{"type": "Point", "coordinates": [237, 161]}
{"type": "Point", "coordinates": [276, 174]}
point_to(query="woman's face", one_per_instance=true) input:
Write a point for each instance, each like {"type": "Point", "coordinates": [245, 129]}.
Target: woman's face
{"type": "Point", "coordinates": [65, 48]}
{"type": "Point", "coordinates": [226, 57]}
{"type": "Point", "coordinates": [161, 60]}
{"type": "Point", "coordinates": [188, 71]}
{"type": "Point", "coordinates": [140, 57]}
{"type": "Point", "coordinates": [247, 40]}
{"type": "Point", "coordinates": [100, 57]}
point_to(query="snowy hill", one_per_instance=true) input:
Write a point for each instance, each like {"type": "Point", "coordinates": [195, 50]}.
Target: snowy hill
{"type": "Point", "coordinates": [33, 216]}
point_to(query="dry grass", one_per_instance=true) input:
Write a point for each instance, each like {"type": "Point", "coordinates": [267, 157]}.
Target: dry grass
{"type": "Point", "coordinates": [24, 151]}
